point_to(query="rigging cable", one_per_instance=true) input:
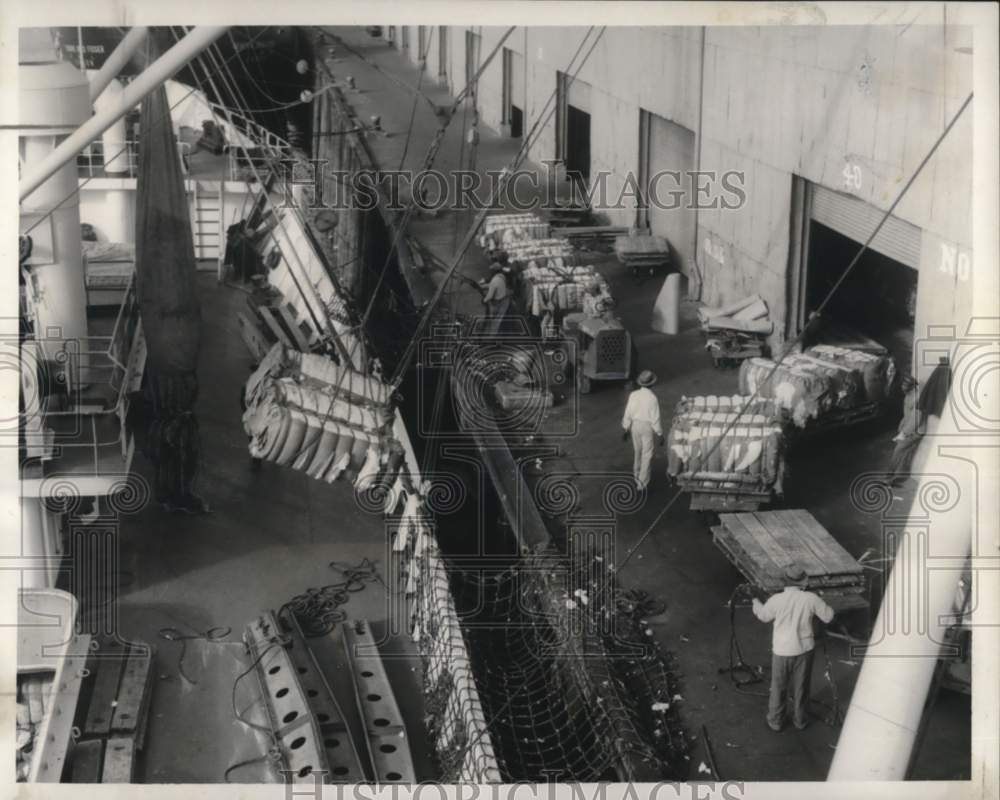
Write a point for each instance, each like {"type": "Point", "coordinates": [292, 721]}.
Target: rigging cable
{"type": "Point", "coordinates": [640, 599]}
{"type": "Point", "coordinates": [413, 108]}
{"type": "Point", "coordinates": [799, 338]}
{"type": "Point", "coordinates": [495, 194]}
{"type": "Point", "coordinates": [429, 158]}
{"type": "Point", "coordinates": [81, 184]}
{"type": "Point", "coordinates": [330, 328]}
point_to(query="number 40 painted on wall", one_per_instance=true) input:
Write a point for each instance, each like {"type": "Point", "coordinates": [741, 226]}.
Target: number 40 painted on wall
{"type": "Point", "coordinates": [852, 176]}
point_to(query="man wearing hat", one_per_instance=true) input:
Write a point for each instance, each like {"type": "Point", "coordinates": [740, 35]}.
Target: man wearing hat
{"type": "Point", "coordinates": [792, 613]}
{"type": "Point", "coordinates": [497, 294]}
{"type": "Point", "coordinates": [642, 420]}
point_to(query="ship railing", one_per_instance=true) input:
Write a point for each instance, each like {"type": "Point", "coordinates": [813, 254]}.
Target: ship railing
{"type": "Point", "coordinates": [78, 421]}
{"type": "Point", "coordinates": [123, 156]}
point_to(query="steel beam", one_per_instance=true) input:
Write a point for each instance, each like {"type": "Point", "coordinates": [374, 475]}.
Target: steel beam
{"type": "Point", "coordinates": [118, 59]}
{"type": "Point", "coordinates": [162, 69]}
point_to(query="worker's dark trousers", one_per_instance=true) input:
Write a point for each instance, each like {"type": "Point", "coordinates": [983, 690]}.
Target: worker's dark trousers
{"type": "Point", "coordinates": [902, 458]}
{"type": "Point", "coordinates": [496, 310]}
{"type": "Point", "coordinates": [789, 675]}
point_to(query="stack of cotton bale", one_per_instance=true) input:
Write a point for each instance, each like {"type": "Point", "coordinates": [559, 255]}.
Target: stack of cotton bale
{"type": "Point", "coordinates": [529, 253]}
{"type": "Point", "coordinates": [805, 387]}
{"type": "Point", "coordinates": [307, 412]}
{"type": "Point", "coordinates": [877, 371]}
{"type": "Point", "coordinates": [549, 288]}
{"type": "Point", "coordinates": [727, 443]}
{"type": "Point", "coordinates": [503, 231]}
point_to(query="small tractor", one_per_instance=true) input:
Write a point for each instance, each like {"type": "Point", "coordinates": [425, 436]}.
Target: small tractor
{"type": "Point", "coordinates": [604, 350]}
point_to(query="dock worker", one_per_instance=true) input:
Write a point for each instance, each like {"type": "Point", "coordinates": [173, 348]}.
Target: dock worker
{"type": "Point", "coordinates": [792, 612]}
{"type": "Point", "coordinates": [642, 421]}
{"type": "Point", "coordinates": [922, 410]}
{"type": "Point", "coordinates": [596, 302]}
{"type": "Point", "coordinates": [908, 435]}
{"type": "Point", "coordinates": [497, 297]}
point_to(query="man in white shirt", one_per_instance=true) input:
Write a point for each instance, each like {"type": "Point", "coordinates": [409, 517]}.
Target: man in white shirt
{"type": "Point", "coordinates": [792, 613]}
{"type": "Point", "coordinates": [642, 420]}
{"type": "Point", "coordinates": [497, 297]}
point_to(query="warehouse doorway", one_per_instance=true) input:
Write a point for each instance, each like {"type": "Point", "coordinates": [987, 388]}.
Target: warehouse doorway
{"type": "Point", "coordinates": [473, 48]}
{"type": "Point", "coordinates": [513, 92]}
{"type": "Point", "coordinates": [578, 144]}
{"type": "Point", "coordinates": [573, 128]}
{"type": "Point", "coordinates": [877, 300]}
{"type": "Point", "coordinates": [443, 54]}
{"type": "Point", "coordinates": [666, 159]}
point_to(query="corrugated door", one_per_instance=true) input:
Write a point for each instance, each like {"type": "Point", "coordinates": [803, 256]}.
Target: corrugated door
{"type": "Point", "coordinates": [857, 219]}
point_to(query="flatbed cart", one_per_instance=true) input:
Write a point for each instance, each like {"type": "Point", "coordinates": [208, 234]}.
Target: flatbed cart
{"type": "Point", "coordinates": [727, 452]}
{"type": "Point", "coordinates": [723, 493]}
{"type": "Point", "coordinates": [761, 545]}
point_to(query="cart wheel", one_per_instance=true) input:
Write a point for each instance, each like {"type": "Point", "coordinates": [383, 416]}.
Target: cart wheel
{"type": "Point", "coordinates": [584, 385]}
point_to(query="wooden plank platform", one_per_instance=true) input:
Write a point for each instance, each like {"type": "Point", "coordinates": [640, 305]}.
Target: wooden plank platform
{"type": "Point", "coordinates": [726, 501]}
{"type": "Point", "coordinates": [762, 544]}
{"type": "Point", "coordinates": [113, 715]}
{"type": "Point", "coordinates": [119, 760]}
{"type": "Point", "coordinates": [88, 760]}
{"type": "Point", "coordinates": [133, 697]}
{"type": "Point", "coordinates": [108, 673]}
{"type": "Point", "coordinates": [712, 496]}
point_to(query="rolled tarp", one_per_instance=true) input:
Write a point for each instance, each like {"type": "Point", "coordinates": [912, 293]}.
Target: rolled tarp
{"type": "Point", "coordinates": [761, 326]}
{"type": "Point", "coordinates": [708, 312]}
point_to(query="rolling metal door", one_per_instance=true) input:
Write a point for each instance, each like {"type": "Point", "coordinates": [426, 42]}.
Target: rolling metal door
{"type": "Point", "coordinates": [857, 219]}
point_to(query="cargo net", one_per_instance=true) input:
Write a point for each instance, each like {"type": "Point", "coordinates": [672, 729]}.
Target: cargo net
{"type": "Point", "coordinates": [572, 688]}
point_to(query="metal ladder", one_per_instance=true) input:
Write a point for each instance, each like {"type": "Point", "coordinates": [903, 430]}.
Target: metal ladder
{"type": "Point", "coordinates": [206, 209]}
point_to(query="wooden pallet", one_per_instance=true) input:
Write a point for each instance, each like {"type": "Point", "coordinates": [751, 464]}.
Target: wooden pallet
{"type": "Point", "coordinates": [113, 719]}
{"type": "Point", "coordinates": [727, 501]}
{"type": "Point", "coordinates": [711, 497]}
{"type": "Point", "coordinates": [273, 320]}
{"type": "Point", "coordinates": [762, 544]}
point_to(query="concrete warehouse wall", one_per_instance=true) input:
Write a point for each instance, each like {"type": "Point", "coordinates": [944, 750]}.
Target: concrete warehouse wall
{"type": "Point", "coordinates": [854, 109]}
